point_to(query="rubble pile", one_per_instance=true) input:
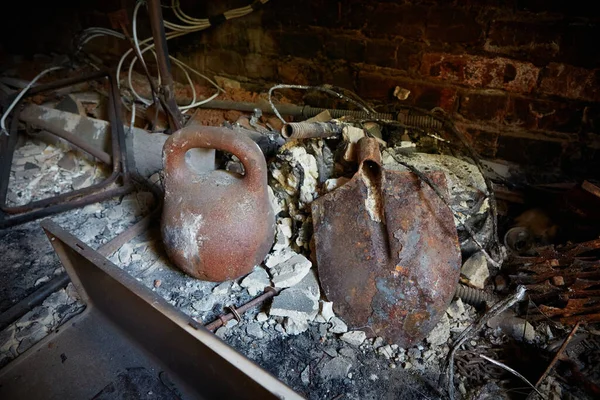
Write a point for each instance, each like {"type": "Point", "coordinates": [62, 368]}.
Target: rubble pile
{"type": "Point", "coordinates": [297, 336]}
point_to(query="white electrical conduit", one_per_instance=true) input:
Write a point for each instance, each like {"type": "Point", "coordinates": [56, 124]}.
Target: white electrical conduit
{"type": "Point", "coordinates": [20, 95]}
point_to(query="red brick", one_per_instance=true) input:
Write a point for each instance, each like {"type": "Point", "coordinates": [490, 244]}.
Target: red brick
{"type": "Point", "coordinates": [571, 82]}
{"type": "Point", "coordinates": [260, 67]}
{"type": "Point", "coordinates": [477, 71]}
{"type": "Point", "coordinates": [397, 20]}
{"type": "Point", "coordinates": [483, 142]}
{"type": "Point", "coordinates": [348, 48]}
{"type": "Point", "coordinates": [372, 85]}
{"type": "Point", "coordinates": [483, 106]}
{"type": "Point", "coordinates": [529, 152]}
{"type": "Point", "coordinates": [300, 44]}
{"type": "Point", "coordinates": [381, 52]}
{"type": "Point", "coordinates": [534, 114]}
{"type": "Point", "coordinates": [225, 61]}
{"type": "Point", "coordinates": [535, 42]}
{"type": "Point", "coordinates": [299, 71]}
{"type": "Point", "coordinates": [453, 25]}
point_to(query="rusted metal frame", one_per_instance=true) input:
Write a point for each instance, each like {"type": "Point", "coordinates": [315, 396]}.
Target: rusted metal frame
{"type": "Point", "coordinates": [164, 65]}
{"type": "Point", "coordinates": [125, 324]}
{"type": "Point", "coordinates": [39, 295]}
{"type": "Point", "coordinates": [77, 198]}
{"type": "Point", "coordinates": [236, 312]}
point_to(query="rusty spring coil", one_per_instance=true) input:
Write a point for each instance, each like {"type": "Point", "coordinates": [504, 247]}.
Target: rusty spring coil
{"type": "Point", "coordinates": [474, 297]}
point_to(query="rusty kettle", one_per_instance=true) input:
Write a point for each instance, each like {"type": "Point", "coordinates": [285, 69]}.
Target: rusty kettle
{"type": "Point", "coordinates": [217, 225]}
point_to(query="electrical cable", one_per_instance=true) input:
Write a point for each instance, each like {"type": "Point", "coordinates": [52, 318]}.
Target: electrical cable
{"type": "Point", "coordinates": [324, 89]}
{"type": "Point", "coordinates": [20, 95]}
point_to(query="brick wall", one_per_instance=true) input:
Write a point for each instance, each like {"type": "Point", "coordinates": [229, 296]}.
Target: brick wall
{"type": "Point", "coordinates": [520, 76]}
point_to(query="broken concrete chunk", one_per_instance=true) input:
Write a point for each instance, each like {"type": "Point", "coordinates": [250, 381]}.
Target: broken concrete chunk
{"type": "Point", "coordinates": [262, 317]}
{"type": "Point", "coordinates": [475, 270]}
{"type": "Point", "coordinates": [386, 351]}
{"type": "Point", "coordinates": [378, 342]}
{"type": "Point", "coordinates": [305, 375]}
{"type": "Point", "coordinates": [336, 368]}
{"type": "Point", "coordinates": [254, 329]}
{"type": "Point", "coordinates": [291, 271]}
{"type": "Point", "coordinates": [456, 310]}
{"type": "Point", "coordinates": [295, 304]}
{"type": "Point", "coordinates": [222, 288]}
{"type": "Point", "coordinates": [256, 281]}
{"type": "Point", "coordinates": [277, 257]}
{"type": "Point", "coordinates": [440, 333]}
{"type": "Point", "coordinates": [337, 325]}
{"type": "Point", "coordinates": [355, 338]}
{"type": "Point", "coordinates": [295, 327]}
{"type": "Point", "coordinates": [310, 285]}
{"type": "Point", "coordinates": [125, 253]}
{"type": "Point", "coordinates": [283, 235]}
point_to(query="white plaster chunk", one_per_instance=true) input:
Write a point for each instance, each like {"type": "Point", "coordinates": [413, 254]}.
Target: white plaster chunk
{"type": "Point", "coordinates": [386, 351]}
{"type": "Point", "coordinates": [262, 317]}
{"type": "Point", "coordinates": [256, 281]}
{"type": "Point", "coordinates": [337, 325]}
{"type": "Point", "coordinates": [327, 310]}
{"type": "Point", "coordinates": [475, 270]}
{"type": "Point", "coordinates": [295, 327]}
{"type": "Point", "coordinates": [332, 184]}
{"type": "Point", "coordinates": [291, 271]}
{"type": "Point", "coordinates": [440, 334]}
{"type": "Point", "coordinates": [222, 288]}
{"type": "Point", "coordinates": [277, 257]}
{"type": "Point", "coordinates": [355, 338]}
{"type": "Point", "coordinates": [456, 310]}
{"type": "Point", "coordinates": [283, 234]}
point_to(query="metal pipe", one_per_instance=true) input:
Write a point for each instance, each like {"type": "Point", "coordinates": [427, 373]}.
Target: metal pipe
{"type": "Point", "coordinates": [307, 130]}
{"type": "Point", "coordinates": [75, 140]}
{"type": "Point", "coordinates": [164, 65]}
{"type": "Point", "coordinates": [236, 312]}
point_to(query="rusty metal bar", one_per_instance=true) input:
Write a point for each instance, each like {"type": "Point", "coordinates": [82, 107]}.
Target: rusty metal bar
{"type": "Point", "coordinates": [69, 137]}
{"type": "Point", "coordinates": [77, 198]}
{"type": "Point", "coordinates": [236, 312]}
{"type": "Point", "coordinates": [164, 65]}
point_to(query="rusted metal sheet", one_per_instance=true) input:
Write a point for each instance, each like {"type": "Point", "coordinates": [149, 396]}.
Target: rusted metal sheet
{"type": "Point", "coordinates": [125, 328]}
{"type": "Point", "coordinates": [217, 225]}
{"type": "Point", "coordinates": [387, 250]}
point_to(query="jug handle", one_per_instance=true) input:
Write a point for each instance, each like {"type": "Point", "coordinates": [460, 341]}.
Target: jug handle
{"type": "Point", "coordinates": [211, 137]}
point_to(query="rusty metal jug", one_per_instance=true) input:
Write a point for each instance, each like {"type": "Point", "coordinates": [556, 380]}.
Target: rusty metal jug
{"type": "Point", "coordinates": [217, 225]}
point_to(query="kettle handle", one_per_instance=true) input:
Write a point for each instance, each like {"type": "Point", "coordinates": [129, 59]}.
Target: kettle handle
{"type": "Point", "coordinates": [211, 137]}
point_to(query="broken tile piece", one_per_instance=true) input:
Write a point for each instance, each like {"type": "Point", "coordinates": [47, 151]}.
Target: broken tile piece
{"type": "Point", "coordinates": [291, 271]}
{"type": "Point", "coordinates": [68, 162]}
{"type": "Point", "coordinates": [355, 338]}
{"type": "Point", "coordinates": [475, 270]}
{"type": "Point", "coordinates": [256, 281]}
